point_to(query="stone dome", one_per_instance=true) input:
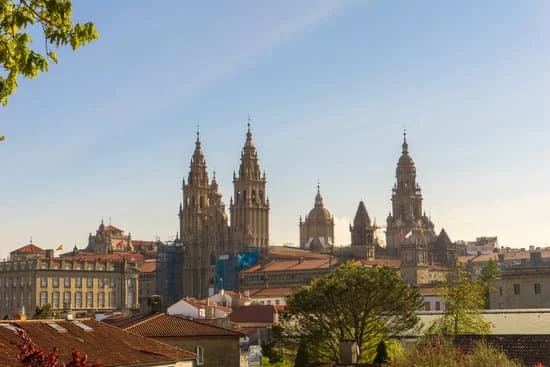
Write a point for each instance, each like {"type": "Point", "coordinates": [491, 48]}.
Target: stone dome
{"type": "Point", "coordinates": [319, 213]}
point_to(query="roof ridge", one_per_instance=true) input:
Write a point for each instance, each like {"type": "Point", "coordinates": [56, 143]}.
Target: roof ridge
{"type": "Point", "coordinates": [153, 316]}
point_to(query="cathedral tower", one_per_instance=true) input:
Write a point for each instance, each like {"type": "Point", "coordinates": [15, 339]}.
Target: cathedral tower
{"type": "Point", "coordinates": [250, 208]}
{"type": "Point", "coordinates": [406, 200]}
{"type": "Point", "coordinates": [362, 234]}
{"type": "Point", "coordinates": [203, 227]}
{"type": "Point", "coordinates": [317, 230]}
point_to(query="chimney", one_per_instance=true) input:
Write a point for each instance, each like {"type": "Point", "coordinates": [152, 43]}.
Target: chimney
{"type": "Point", "coordinates": [349, 352]}
{"type": "Point", "coordinates": [22, 314]}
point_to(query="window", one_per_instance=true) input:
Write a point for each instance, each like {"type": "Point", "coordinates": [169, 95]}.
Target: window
{"type": "Point", "coordinates": [130, 300]}
{"type": "Point", "coordinates": [112, 282]}
{"type": "Point", "coordinates": [55, 299]}
{"type": "Point", "coordinates": [78, 282]}
{"type": "Point", "coordinates": [199, 351]}
{"type": "Point", "coordinates": [55, 282]}
{"type": "Point", "coordinates": [537, 288]}
{"type": "Point", "coordinates": [437, 306]}
{"type": "Point", "coordinates": [101, 283]}
{"type": "Point", "coordinates": [90, 282]}
{"type": "Point", "coordinates": [43, 298]}
{"type": "Point", "coordinates": [67, 282]}
{"type": "Point", "coordinates": [516, 289]}
{"type": "Point", "coordinates": [43, 282]}
{"type": "Point", "coordinates": [67, 299]}
{"type": "Point", "coordinates": [78, 299]}
{"type": "Point", "coordinates": [501, 291]}
{"type": "Point", "coordinates": [426, 306]}
{"type": "Point", "coordinates": [101, 299]}
{"type": "Point", "coordinates": [90, 299]}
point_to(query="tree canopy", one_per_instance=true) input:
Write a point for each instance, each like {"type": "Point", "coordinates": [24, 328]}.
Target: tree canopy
{"type": "Point", "coordinates": [464, 299]}
{"type": "Point", "coordinates": [53, 18]}
{"type": "Point", "coordinates": [352, 303]}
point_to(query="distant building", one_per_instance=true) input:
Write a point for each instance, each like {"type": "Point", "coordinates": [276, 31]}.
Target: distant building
{"type": "Point", "coordinates": [80, 284]}
{"type": "Point", "coordinates": [406, 215]}
{"type": "Point", "coordinates": [214, 346]}
{"type": "Point", "coordinates": [286, 273]}
{"type": "Point", "coordinates": [204, 228]}
{"type": "Point", "coordinates": [317, 229]}
{"type": "Point", "coordinates": [198, 309]}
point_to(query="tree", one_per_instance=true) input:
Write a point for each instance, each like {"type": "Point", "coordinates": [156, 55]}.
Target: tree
{"type": "Point", "coordinates": [352, 303]}
{"type": "Point", "coordinates": [42, 312]}
{"type": "Point", "coordinates": [381, 353]}
{"type": "Point", "coordinates": [17, 18]}
{"type": "Point", "coordinates": [441, 352]}
{"type": "Point", "coordinates": [464, 300]}
{"type": "Point", "coordinates": [488, 272]}
{"type": "Point", "coordinates": [31, 355]}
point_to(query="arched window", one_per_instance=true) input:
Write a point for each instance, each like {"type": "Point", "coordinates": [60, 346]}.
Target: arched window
{"type": "Point", "coordinates": [253, 196]}
{"type": "Point", "coordinates": [261, 195]}
{"type": "Point", "coordinates": [201, 202]}
{"type": "Point", "coordinates": [245, 198]}
{"type": "Point", "coordinates": [199, 351]}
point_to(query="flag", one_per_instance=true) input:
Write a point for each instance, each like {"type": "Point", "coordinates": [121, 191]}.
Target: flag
{"type": "Point", "coordinates": [59, 248]}
{"type": "Point", "coordinates": [408, 235]}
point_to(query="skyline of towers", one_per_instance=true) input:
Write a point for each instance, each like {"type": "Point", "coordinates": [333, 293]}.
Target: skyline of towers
{"type": "Point", "coordinates": [203, 220]}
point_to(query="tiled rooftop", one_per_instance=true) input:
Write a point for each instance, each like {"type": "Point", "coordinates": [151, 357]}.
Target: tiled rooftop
{"type": "Point", "coordinates": [163, 325]}
{"type": "Point", "coordinates": [253, 314]}
{"type": "Point", "coordinates": [104, 343]}
{"type": "Point", "coordinates": [283, 265]}
{"type": "Point", "coordinates": [28, 249]}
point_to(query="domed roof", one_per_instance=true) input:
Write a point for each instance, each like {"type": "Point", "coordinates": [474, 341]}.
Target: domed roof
{"type": "Point", "coordinates": [319, 213]}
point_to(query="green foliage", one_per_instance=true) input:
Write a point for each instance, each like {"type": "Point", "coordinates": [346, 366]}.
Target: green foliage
{"type": "Point", "coordinates": [353, 303]}
{"type": "Point", "coordinates": [54, 18]}
{"type": "Point", "coordinates": [464, 300]}
{"type": "Point", "coordinates": [381, 353]}
{"type": "Point", "coordinates": [42, 312]}
{"type": "Point", "coordinates": [302, 356]}
{"type": "Point", "coordinates": [441, 352]}
{"type": "Point", "coordinates": [265, 362]}
{"type": "Point", "coordinates": [488, 272]}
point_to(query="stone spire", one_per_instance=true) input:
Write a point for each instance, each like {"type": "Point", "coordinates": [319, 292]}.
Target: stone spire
{"type": "Point", "coordinates": [318, 197]}
{"type": "Point", "coordinates": [197, 169]}
{"type": "Point", "coordinates": [249, 168]}
{"type": "Point", "coordinates": [362, 219]}
{"type": "Point", "coordinates": [405, 145]}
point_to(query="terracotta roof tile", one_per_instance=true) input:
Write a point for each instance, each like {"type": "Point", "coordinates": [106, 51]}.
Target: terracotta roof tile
{"type": "Point", "coordinates": [105, 343]}
{"type": "Point", "coordinates": [111, 228]}
{"type": "Point", "coordinates": [390, 263]}
{"type": "Point", "coordinates": [282, 265]}
{"type": "Point", "coordinates": [269, 292]}
{"type": "Point", "coordinates": [253, 313]}
{"type": "Point", "coordinates": [148, 267]}
{"type": "Point", "coordinates": [163, 325]}
{"type": "Point", "coordinates": [29, 249]}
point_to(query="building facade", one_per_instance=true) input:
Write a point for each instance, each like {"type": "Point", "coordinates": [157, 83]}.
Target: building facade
{"type": "Point", "coordinates": [406, 214]}
{"type": "Point", "coordinates": [317, 229]}
{"type": "Point", "coordinates": [83, 286]}
{"type": "Point", "coordinates": [204, 229]}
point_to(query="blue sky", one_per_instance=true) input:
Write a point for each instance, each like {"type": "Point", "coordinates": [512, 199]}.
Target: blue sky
{"type": "Point", "coordinates": [109, 131]}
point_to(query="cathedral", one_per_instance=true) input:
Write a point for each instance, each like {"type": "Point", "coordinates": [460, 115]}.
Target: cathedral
{"type": "Point", "coordinates": [406, 220]}
{"type": "Point", "coordinates": [203, 221]}
{"type": "Point", "coordinates": [317, 230]}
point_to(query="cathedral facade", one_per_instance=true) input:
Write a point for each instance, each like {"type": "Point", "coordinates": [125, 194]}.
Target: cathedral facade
{"type": "Point", "coordinates": [407, 221]}
{"type": "Point", "coordinates": [205, 230]}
